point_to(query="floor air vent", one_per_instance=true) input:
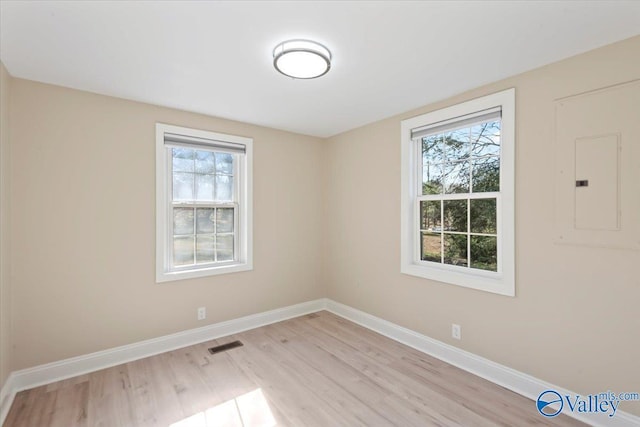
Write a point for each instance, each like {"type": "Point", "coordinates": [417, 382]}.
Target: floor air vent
{"type": "Point", "coordinates": [225, 347]}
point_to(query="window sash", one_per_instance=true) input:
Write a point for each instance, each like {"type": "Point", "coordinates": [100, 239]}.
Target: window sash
{"type": "Point", "coordinates": [417, 135]}
{"type": "Point", "coordinates": [169, 262]}
{"type": "Point", "coordinates": [233, 175]}
{"type": "Point", "coordinates": [196, 265]}
{"type": "Point", "coordinates": [418, 230]}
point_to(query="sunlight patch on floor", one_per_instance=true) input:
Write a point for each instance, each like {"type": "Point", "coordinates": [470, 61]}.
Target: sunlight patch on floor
{"type": "Point", "coordinates": [250, 409]}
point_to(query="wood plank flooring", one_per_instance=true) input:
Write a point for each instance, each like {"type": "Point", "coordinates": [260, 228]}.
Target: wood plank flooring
{"type": "Point", "coordinates": [315, 370]}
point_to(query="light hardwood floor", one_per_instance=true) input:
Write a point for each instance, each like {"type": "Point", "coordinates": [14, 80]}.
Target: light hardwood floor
{"type": "Point", "coordinates": [315, 370]}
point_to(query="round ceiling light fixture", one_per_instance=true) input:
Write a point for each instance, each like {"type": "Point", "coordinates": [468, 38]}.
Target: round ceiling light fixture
{"type": "Point", "coordinates": [302, 59]}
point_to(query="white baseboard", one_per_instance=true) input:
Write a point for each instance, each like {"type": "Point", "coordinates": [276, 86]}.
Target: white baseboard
{"type": "Point", "coordinates": [67, 368]}
{"type": "Point", "coordinates": [7, 394]}
{"type": "Point", "coordinates": [511, 379]}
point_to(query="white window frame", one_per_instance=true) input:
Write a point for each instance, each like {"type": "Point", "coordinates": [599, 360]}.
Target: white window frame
{"type": "Point", "coordinates": [500, 282]}
{"type": "Point", "coordinates": [243, 174]}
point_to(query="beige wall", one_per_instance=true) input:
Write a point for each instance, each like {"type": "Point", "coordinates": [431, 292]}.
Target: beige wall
{"type": "Point", "coordinates": [83, 181]}
{"type": "Point", "coordinates": [575, 320]}
{"type": "Point", "coordinates": [5, 289]}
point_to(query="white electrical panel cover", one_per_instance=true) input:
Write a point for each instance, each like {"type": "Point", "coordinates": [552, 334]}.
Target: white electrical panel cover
{"type": "Point", "coordinates": [597, 194]}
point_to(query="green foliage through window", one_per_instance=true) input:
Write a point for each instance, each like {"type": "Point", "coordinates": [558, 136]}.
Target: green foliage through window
{"type": "Point", "coordinates": [462, 230]}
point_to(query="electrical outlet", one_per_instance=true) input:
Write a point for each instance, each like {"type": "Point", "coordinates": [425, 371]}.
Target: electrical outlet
{"type": "Point", "coordinates": [456, 331]}
{"type": "Point", "coordinates": [202, 313]}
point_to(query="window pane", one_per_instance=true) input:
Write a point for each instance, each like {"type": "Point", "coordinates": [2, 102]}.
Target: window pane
{"type": "Point", "coordinates": [456, 177]}
{"type": "Point", "coordinates": [455, 215]}
{"type": "Point", "coordinates": [225, 220]}
{"type": "Point", "coordinates": [182, 186]}
{"type": "Point", "coordinates": [205, 162]}
{"type": "Point", "coordinates": [204, 248]}
{"type": "Point", "coordinates": [430, 215]}
{"type": "Point", "coordinates": [182, 221]}
{"type": "Point", "coordinates": [486, 174]}
{"type": "Point", "coordinates": [182, 250]}
{"type": "Point", "coordinates": [433, 149]}
{"type": "Point", "coordinates": [205, 220]}
{"type": "Point", "coordinates": [224, 188]}
{"type": "Point", "coordinates": [204, 187]}
{"type": "Point", "coordinates": [432, 178]}
{"type": "Point", "coordinates": [484, 253]}
{"type": "Point", "coordinates": [183, 159]}
{"type": "Point", "coordinates": [455, 249]}
{"type": "Point", "coordinates": [224, 163]}
{"type": "Point", "coordinates": [431, 247]}
{"type": "Point", "coordinates": [224, 247]}
{"type": "Point", "coordinates": [483, 216]}
{"type": "Point", "coordinates": [457, 145]}
{"type": "Point", "coordinates": [485, 139]}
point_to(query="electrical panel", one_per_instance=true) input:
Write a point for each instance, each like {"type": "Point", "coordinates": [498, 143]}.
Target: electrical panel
{"type": "Point", "coordinates": [597, 159]}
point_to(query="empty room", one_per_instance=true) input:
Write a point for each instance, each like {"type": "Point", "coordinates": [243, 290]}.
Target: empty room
{"type": "Point", "coordinates": [319, 213]}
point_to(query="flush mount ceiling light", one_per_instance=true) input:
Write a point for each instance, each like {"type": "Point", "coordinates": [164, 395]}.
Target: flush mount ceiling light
{"type": "Point", "coordinates": [302, 59]}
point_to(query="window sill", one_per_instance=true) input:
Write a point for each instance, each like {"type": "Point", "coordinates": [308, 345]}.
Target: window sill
{"type": "Point", "coordinates": [162, 276]}
{"type": "Point", "coordinates": [481, 280]}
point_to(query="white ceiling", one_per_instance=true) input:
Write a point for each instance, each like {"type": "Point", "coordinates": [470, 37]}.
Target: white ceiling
{"type": "Point", "coordinates": [216, 57]}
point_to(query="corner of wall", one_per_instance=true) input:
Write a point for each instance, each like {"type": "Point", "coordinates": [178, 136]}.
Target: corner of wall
{"type": "Point", "coordinates": [324, 194]}
{"type": "Point", "coordinates": [5, 286]}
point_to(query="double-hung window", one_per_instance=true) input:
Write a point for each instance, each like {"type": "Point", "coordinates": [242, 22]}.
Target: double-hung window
{"type": "Point", "coordinates": [203, 192]}
{"type": "Point", "coordinates": [458, 194]}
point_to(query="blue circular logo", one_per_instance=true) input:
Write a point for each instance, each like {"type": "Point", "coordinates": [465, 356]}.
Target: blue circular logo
{"type": "Point", "coordinates": [546, 399]}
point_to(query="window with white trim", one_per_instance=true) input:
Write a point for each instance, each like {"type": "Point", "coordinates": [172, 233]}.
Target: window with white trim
{"type": "Point", "coordinates": [458, 194]}
{"type": "Point", "coordinates": [203, 203]}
